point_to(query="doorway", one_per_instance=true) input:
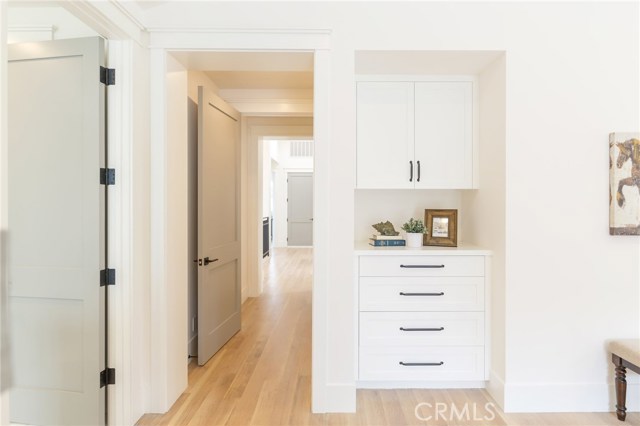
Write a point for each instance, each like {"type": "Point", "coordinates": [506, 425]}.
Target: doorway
{"type": "Point", "coordinates": [300, 209]}
{"type": "Point", "coordinates": [287, 177]}
{"type": "Point", "coordinates": [219, 74]}
{"type": "Point", "coordinates": [168, 221]}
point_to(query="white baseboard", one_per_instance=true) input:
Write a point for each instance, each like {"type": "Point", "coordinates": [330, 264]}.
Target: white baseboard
{"type": "Point", "coordinates": [415, 384]}
{"type": "Point", "coordinates": [340, 398]}
{"type": "Point", "coordinates": [495, 387]}
{"type": "Point", "coordinates": [566, 397]}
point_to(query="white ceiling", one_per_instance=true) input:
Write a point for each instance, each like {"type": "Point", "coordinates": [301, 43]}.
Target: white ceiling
{"type": "Point", "coordinates": [252, 70]}
{"type": "Point", "coordinates": [246, 61]}
{"type": "Point", "coordinates": [262, 79]}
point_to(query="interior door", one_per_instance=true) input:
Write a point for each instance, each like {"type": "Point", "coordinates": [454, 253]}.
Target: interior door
{"type": "Point", "coordinates": [300, 209]}
{"type": "Point", "coordinates": [56, 232]}
{"type": "Point", "coordinates": [218, 224]}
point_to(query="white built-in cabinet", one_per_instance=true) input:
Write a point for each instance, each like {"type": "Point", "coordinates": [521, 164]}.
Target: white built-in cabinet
{"type": "Point", "coordinates": [415, 134]}
{"type": "Point", "coordinates": [422, 316]}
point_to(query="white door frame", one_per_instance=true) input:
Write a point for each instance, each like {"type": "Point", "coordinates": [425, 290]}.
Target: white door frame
{"type": "Point", "coordinates": [164, 41]}
{"type": "Point", "coordinates": [4, 173]}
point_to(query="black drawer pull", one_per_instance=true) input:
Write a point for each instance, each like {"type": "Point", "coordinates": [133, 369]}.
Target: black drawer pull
{"type": "Point", "coordinates": [421, 294]}
{"type": "Point", "coordinates": [420, 364]}
{"type": "Point", "coordinates": [422, 266]}
{"type": "Point", "coordinates": [422, 329]}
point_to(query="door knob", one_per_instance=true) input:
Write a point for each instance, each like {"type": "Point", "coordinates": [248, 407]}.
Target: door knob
{"type": "Point", "coordinates": [208, 261]}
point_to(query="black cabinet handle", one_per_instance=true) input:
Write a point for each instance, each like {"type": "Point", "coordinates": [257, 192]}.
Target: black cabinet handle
{"type": "Point", "coordinates": [421, 294]}
{"type": "Point", "coordinates": [208, 261]}
{"type": "Point", "coordinates": [422, 329]}
{"type": "Point", "coordinates": [422, 266]}
{"type": "Point", "coordinates": [420, 364]}
{"type": "Point", "coordinates": [410, 171]}
{"type": "Point", "coordinates": [418, 171]}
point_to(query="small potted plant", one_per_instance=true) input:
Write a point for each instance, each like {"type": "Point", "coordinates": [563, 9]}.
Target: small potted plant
{"type": "Point", "coordinates": [414, 229]}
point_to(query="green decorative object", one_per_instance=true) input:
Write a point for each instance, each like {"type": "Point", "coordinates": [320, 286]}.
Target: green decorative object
{"type": "Point", "coordinates": [385, 228]}
{"type": "Point", "coordinates": [414, 226]}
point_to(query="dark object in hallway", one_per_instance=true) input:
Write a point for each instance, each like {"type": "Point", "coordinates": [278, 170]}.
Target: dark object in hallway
{"type": "Point", "coordinates": [265, 237]}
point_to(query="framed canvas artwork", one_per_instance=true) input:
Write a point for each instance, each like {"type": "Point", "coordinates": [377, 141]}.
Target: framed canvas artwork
{"type": "Point", "coordinates": [624, 183]}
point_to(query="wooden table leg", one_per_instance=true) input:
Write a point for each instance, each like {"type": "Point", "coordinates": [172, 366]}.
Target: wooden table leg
{"type": "Point", "coordinates": [621, 388]}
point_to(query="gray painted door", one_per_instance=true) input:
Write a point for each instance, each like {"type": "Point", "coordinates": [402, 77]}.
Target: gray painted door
{"type": "Point", "coordinates": [56, 232]}
{"type": "Point", "coordinates": [218, 224]}
{"type": "Point", "coordinates": [300, 209]}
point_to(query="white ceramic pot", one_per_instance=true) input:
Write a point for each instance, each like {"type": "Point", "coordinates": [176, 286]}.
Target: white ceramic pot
{"type": "Point", "coordinates": [414, 240]}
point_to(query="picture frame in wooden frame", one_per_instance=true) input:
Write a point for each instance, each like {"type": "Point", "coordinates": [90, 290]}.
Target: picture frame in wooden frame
{"type": "Point", "coordinates": [442, 227]}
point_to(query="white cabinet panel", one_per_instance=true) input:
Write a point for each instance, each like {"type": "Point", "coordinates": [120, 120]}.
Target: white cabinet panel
{"type": "Point", "coordinates": [443, 134]}
{"type": "Point", "coordinates": [433, 363]}
{"type": "Point", "coordinates": [422, 328]}
{"type": "Point", "coordinates": [422, 266]}
{"type": "Point", "coordinates": [422, 294]}
{"type": "Point", "coordinates": [385, 135]}
{"type": "Point", "coordinates": [415, 134]}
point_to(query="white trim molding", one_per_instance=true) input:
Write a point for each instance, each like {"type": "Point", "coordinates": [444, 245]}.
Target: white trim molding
{"type": "Point", "coordinates": [237, 39]}
{"type": "Point", "coordinates": [4, 172]}
{"type": "Point", "coordinates": [163, 41]}
{"type": "Point", "coordinates": [495, 387]}
{"type": "Point", "coordinates": [109, 19]}
{"type": "Point", "coordinates": [567, 397]}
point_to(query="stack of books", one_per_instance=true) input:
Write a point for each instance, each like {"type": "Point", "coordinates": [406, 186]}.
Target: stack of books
{"type": "Point", "coordinates": [386, 240]}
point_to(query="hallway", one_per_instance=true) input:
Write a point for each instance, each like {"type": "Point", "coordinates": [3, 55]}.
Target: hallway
{"type": "Point", "coordinates": [262, 376]}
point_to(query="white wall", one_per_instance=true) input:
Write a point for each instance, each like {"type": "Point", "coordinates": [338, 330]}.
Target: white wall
{"type": "Point", "coordinates": [398, 206]}
{"type": "Point", "coordinates": [571, 78]}
{"type": "Point", "coordinates": [140, 261]}
{"type": "Point", "coordinates": [39, 23]}
{"type": "Point", "coordinates": [169, 231]}
{"type": "Point", "coordinates": [266, 180]}
{"type": "Point", "coordinates": [485, 224]}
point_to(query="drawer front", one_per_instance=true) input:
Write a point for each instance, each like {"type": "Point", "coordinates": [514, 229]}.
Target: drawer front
{"type": "Point", "coordinates": [431, 363]}
{"type": "Point", "coordinates": [422, 328]}
{"type": "Point", "coordinates": [421, 266]}
{"type": "Point", "coordinates": [421, 294]}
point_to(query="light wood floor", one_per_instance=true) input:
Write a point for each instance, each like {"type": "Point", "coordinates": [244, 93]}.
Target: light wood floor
{"type": "Point", "coordinates": [262, 376]}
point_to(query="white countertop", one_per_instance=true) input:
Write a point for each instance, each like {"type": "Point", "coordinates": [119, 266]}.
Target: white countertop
{"type": "Point", "coordinates": [463, 249]}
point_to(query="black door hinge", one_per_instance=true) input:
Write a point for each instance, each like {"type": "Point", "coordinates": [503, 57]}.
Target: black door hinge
{"type": "Point", "coordinates": [107, 176]}
{"type": "Point", "coordinates": [107, 76]}
{"type": "Point", "coordinates": [107, 377]}
{"type": "Point", "coordinates": [107, 277]}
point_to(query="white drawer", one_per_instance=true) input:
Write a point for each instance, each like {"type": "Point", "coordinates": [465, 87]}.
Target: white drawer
{"type": "Point", "coordinates": [422, 294]}
{"type": "Point", "coordinates": [443, 363]}
{"type": "Point", "coordinates": [422, 328]}
{"type": "Point", "coordinates": [421, 266]}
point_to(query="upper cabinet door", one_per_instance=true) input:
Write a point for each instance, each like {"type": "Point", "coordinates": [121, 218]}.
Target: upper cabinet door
{"type": "Point", "coordinates": [385, 156]}
{"type": "Point", "coordinates": [443, 135]}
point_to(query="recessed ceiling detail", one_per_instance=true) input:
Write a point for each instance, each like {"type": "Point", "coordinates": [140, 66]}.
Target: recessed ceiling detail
{"type": "Point", "coordinates": [261, 79]}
